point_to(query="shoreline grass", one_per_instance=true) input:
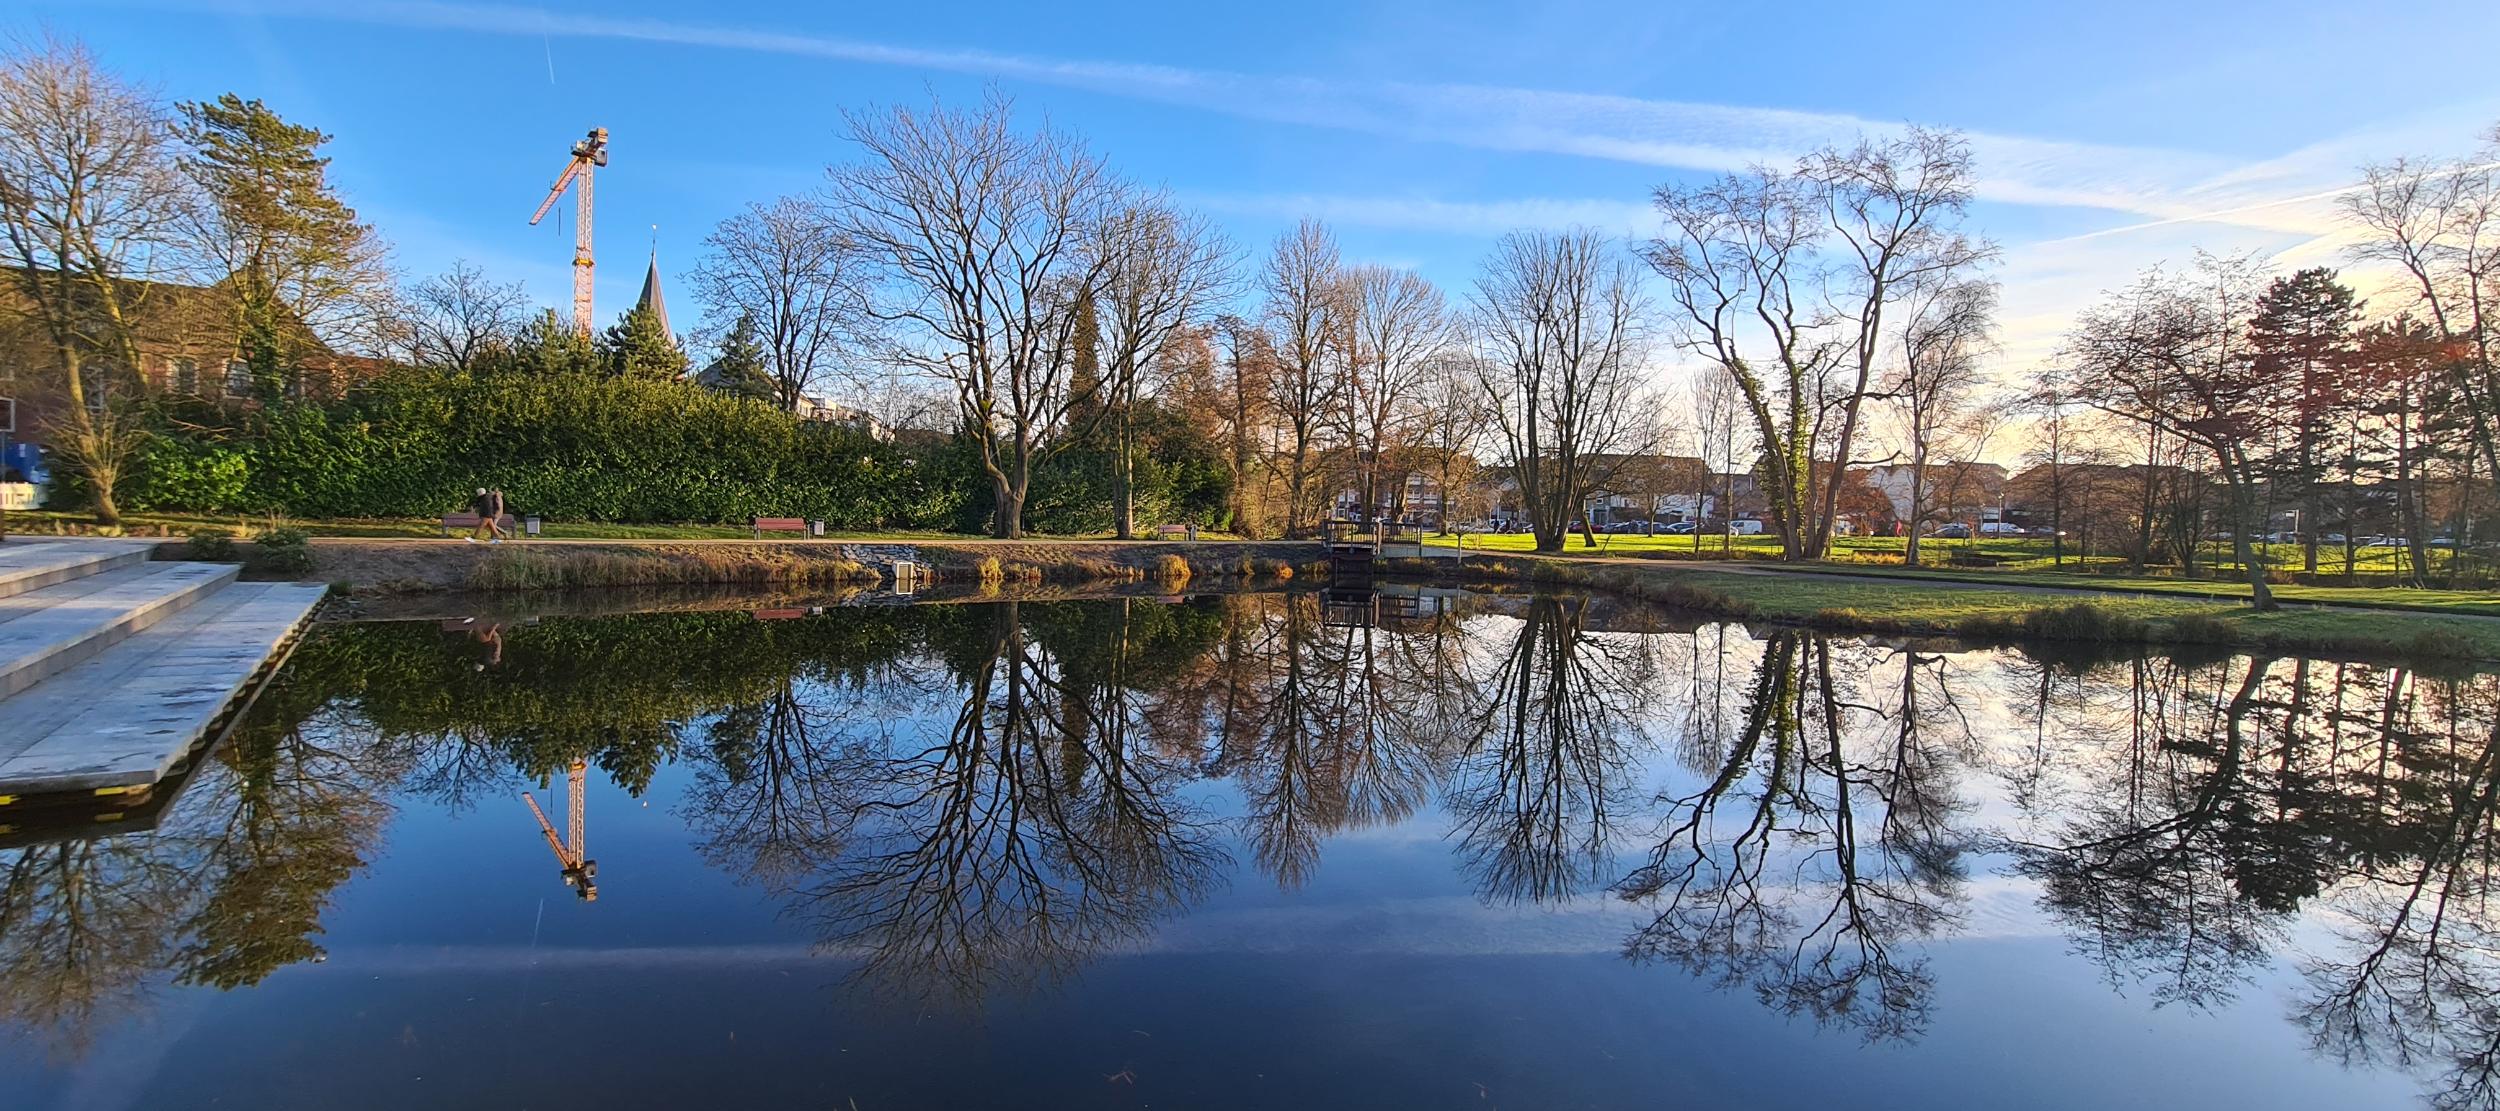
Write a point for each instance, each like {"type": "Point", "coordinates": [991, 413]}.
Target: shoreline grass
{"type": "Point", "coordinates": [1997, 555]}
{"type": "Point", "coordinates": [1994, 604]}
{"type": "Point", "coordinates": [45, 522]}
{"type": "Point", "coordinates": [390, 565]}
{"type": "Point", "coordinates": [1904, 607]}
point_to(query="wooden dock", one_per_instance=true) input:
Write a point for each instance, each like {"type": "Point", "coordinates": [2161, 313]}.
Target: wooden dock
{"type": "Point", "coordinates": [114, 669]}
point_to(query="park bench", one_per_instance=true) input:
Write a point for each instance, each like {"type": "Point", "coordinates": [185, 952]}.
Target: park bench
{"type": "Point", "coordinates": [779, 524]}
{"type": "Point", "coordinates": [1167, 532]}
{"type": "Point", "coordinates": [465, 521]}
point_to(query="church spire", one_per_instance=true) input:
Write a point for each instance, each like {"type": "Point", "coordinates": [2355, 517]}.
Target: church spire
{"type": "Point", "coordinates": [651, 300]}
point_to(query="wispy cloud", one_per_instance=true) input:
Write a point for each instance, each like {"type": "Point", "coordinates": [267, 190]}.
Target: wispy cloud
{"type": "Point", "coordinates": [2171, 201]}
{"type": "Point", "coordinates": [2156, 183]}
{"type": "Point", "coordinates": [1430, 214]}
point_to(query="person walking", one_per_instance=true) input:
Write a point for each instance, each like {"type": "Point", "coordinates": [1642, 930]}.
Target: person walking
{"type": "Point", "coordinates": [488, 505]}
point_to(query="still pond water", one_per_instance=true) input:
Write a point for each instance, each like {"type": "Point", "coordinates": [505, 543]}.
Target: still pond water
{"type": "Point", "coordinates": [1262, 851]}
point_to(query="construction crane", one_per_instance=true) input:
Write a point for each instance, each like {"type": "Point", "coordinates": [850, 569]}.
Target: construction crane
{"type": "Point", "coordinates": [589, 154]}
{"type": "Point", "coordinates": [580, 872]}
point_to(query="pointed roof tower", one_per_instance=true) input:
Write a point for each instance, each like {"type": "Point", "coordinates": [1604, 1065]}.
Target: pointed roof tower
{"type": "Point", "coordinates": [651, 301]}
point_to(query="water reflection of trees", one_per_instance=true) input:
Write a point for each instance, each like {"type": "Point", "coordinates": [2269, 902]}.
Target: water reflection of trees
{"type": "Point", "coordinates": [230, 887]}
{"type": "Point", "coordinates": [1556, 713]}
{"type": "Point", "coordinates": [1015, 836]}
{"type": "Point", "coordinates": [2179, 853]}
{"type": "Point", "coordinates": [1327, 725]}
{"type": "Point", "coordinates": [1820, 843]}
{"type": "Point", "coordinates": [970, 799]}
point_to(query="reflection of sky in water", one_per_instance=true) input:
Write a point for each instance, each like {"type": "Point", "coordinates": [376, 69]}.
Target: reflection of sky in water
{"type": "Point", "coordinates": [1388, 969]}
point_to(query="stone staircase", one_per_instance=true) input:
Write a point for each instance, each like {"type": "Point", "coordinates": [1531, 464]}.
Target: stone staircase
{"type": "Point", "coordinates": [114, 668]}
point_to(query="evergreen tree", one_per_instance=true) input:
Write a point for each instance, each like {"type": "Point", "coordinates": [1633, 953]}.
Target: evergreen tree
{"type": "Point", "coordinates": [298, 262]}
{"type": "Point", "coordinates": [1085, 387]}
{"type": "Point", "coordinates": [2302, 335]}
{"type": "Point", "coordinates": [546, 346]}
{"type": "Point", "coordinates": [638, 347]}
{"type": "Point", "coordinates": [739, 369]}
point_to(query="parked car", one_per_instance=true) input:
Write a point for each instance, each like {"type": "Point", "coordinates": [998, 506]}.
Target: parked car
{"type": "Point", "coordinates": [1680, 528]}
{"type": "Point", "coordinates": [1999, 528]}
{"type": "Point", "coordinates": [2448, 542]}
{"type": "Point", "coordinates": [1955, 531]}
{"type": "Point", "coordinates": [1744, 526]}
{"type": "Point", "coordinates": [2331, 538]}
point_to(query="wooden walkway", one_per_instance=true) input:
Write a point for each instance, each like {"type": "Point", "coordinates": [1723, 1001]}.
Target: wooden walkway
{"type": "Point", "coordinates": [113, 669]}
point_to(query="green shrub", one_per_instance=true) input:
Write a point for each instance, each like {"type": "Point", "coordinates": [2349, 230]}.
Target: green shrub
{"type": "Point", "coordinates": [571, 446]}
{"type": "Point", "coordinates": [567, 444]}
{"type": "Point", "coordinates": [2075, 621]}
{"type": "Point", "coordinates": [1700, 599]}
{"type": "Point", "coordinates": [283, 551]}
{"type": "Point", "coordinates": [177, 473]}
{"type": "Point", "coordinates": [2446, 646]}
{"type": "Point", "coordinates": [2202, 628]}
{"type": "Point", "coordinates": [210, 545]}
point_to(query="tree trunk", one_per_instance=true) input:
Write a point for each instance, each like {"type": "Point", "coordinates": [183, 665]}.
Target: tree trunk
{"type": "Point", "coordinates": [2243, 502]}
{"type": "Point", "coordinates": [1918, 501]}
{"type": "Point", "coordinates": [1007, 518]}
{"type": "Point", "coordinates": [2309, 512]}
{"type": "Point", "coordinates": [1121, 477]}
{"type": "Point", "coordinates": [1701, 496]}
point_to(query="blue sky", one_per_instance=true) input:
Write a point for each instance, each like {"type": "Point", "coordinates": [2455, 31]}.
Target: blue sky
{"type": "Point", "coordinates": [2109, 135]}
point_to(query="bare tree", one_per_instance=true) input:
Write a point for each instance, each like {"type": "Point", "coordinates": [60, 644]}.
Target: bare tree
{"type": "Point", "coordinates": [1241, 397]}
{"type": "Point", "coordinates": [1719, 423]}
{"type": "Point", "coordinates": [2439, 223]}
{"type": "Point", "coordinates": [91, 203]}
{"type": "Point", "coordinates": [1799, 328]}
{"type": "Point", "coordinates": [1306, 318]}
{"type": "Point", "coordinates": [1739, 260]}
{"type": "Point", "coordinates": [1892, 205]}
{"type": "Point", "coordinates": [1165, 267]}
{"type": "Point", "coordinates": [2063, 457]}
{"type": "Point", "coordinates": [787, 265]}
{"type": "Point", "coordinates": [456, 318]}
{"type": "Point", "coordinates": [1558, 319]}
{"type": "Point", "coordinates": [975, 238]}
{"type": "Point", "coordinates": [1946, 335]}
{"type": "Point", "coordinates": [1450, 416]}
{"type": "Point", "coordinates": [1400, 328]}
{"type": "Point", "coordinates": [2170, 354]}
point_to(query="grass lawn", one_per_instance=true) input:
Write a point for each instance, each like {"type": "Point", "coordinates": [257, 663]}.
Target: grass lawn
{"type": "Point", "coordinates": [2482, 602]}
{"type": "Point", "coordinates": [2007, 553]}
{"type": "Point", "coordinates": [2024, 562]}
{"type": "Point", "coordinates": [1900, 603]}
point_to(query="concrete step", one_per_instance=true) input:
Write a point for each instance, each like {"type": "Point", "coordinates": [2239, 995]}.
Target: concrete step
{"type": "Point", "coordinates": [48, 631]}
{"type": "Point", "coordinates": [30, 565]}
{"type": "Point", "coordinates": [34, 713]}
{"type": "Point", "coordinates": [132, 714]}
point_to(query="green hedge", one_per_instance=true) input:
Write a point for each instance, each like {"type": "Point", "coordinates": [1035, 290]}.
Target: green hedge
{"type": "Point", "coordinates": [586, 447]}
{"type": "Point", "coordinates": [566, 447]}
